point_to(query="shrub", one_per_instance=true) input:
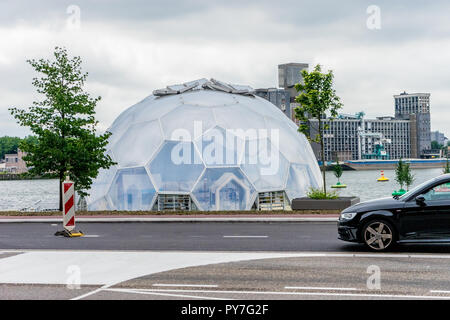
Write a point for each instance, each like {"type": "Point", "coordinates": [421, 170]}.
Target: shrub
{"type": "Point", "coordinates": [319, 194]}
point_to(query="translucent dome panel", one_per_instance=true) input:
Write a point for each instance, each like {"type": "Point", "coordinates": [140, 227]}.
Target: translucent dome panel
{"type": "Point", "coordinates": [99, 205]}
{"type": "Point", "coordinates": [292, 144]}
{"type": "Point", "coordinates": [135, 148]}
{"type": "Point", "coordinates": [264, 165]}
{"type": "Point", "coordinates": [238, 117]}
{"type": "Point", "coordinates": [102, 183]}
{"type": "Point", "coordinates": [157, 108]}
{"type": "Point", "coordinates": [224, 189]}
{"type": "Point", "coordinates": [187, 122]}
{"type": "Point", "coordinates": [300, 180]}
{"type": "Point", "coordinates": [263, 107]}
{"type": "Point", "coordinates": [132, 190]}
{"type": "Point", "coordinates": [207, 98]}
{"type": "Point", "coordinates": [176, 167]}
{"type": "Point", "coordinates": [119, 126]}
{"type": "Point", "coordinates": [220, 148]}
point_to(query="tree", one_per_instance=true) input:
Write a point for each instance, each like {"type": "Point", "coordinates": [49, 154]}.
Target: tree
{"type": "Point", "coordinates": [337, 170]}
{"type": "Point", "coordinates": [408, 177]}
{"type": "Point", "coordinates": [64, 124]}
{"type": "Point", "coordinates": [317, 98]}
{"type": "Point", "coordinates": [400, 173]}
{"type": "Point", "coordinates": [8, 145]}
{"type": "Point", "coordinates": [435, 145]}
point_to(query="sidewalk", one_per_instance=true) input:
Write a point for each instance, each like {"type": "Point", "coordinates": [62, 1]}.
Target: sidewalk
{"type": "Point", "coordinates": [181, 218]}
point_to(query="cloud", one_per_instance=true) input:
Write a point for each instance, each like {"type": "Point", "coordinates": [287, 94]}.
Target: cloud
{"type": "Point", "coordinates": [131, 48]}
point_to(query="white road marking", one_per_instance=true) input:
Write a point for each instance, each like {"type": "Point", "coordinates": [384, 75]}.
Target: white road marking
{"type": "Point", "coordinates": [138, 291]}
{"type": "Point", "coordinates": [245, 236]}
{"type": "Point", "coordinates": [54, 225]}
{"type": "Point", "coordinates": [322, 288]}
{"type": "Point", "coordinates": [91, 236]}
{"type": "Point", "coordinates": [92, 292]}
{"type": "Point", "coordinates": [296, 293]}
{"type": "Point", "coordinates": [185, 285]}
{"type": "Point", "coordinates": [439, 291]}
{"type": "Point", "coordinates": [109, 267]}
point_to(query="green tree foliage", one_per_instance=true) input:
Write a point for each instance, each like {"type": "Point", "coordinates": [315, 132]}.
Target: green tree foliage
{"type": "Point", "coordinates": [337, 170]}
{"type": "Point", "coordinates": [64, 124]}
{"type": "Point", "coordinates": [408, 176]}
{"type": "Point", "coordinates": [403, 174]}
{"type": "Point", "coordinates": [8, 145]}
{"type": "Point", "coordinates": [436, 145]}
{"type": "Point", "coordinates": [317, 98]}
{"type": "Point", "coordinates": [399, 173]}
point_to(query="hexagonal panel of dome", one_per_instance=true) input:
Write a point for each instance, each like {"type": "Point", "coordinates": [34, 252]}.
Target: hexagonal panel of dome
{"type": "Point", "coordinates": [204, 145]}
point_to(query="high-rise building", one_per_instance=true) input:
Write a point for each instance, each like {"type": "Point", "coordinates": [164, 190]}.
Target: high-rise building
{"type": "Point", "coordinates": [290, 74]}
{"type": "Point", "coordinates": [284, 97]}
{"type": "Point", "coordinates": [418, 104]}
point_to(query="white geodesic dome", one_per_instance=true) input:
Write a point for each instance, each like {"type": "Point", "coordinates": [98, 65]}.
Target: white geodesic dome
{"type": "Point", "coordinates": [206, 145]}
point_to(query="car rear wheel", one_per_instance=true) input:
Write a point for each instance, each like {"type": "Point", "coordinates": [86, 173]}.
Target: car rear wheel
{"type": "Point", "coordinates": [378, 235]}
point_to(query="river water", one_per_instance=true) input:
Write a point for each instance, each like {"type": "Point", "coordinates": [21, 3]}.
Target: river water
{"type": "Point", "coordinates": [19, 194]}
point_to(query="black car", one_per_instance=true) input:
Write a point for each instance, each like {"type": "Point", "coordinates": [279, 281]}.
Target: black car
{"type": "Point", "coordinates": [421, 215]}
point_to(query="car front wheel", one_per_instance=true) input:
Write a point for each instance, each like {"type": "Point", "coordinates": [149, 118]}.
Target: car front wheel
{"type": "Point", "coordinates": [378, 235]}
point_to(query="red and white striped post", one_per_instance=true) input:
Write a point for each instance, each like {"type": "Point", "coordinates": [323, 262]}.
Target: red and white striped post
{"type": "Point", "coordinates": [68, 205]}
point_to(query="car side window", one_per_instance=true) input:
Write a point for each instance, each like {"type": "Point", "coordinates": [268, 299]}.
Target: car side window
{"type": "Point", "coordinates": [440, 192]}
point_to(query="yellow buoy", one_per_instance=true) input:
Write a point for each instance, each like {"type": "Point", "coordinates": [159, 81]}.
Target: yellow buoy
{"type": "Point", "coordinates": [382, 178]}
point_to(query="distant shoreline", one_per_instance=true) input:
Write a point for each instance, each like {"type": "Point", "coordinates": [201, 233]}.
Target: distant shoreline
{"type": "Point", "coordinates": [18, 176]}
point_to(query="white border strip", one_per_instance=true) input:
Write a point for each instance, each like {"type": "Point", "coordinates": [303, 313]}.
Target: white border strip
{"type": "Point", "coordinates": [185, 285]}
{"type": "Point", "coordinates": [284, 293]}
{"type": "Point", "coordinates": [321, 288]}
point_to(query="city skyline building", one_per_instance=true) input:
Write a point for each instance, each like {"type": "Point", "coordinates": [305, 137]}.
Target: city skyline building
{"type": "Point", "coordinates": [417, 104]}
{"type": "Point", "coordinates": [284, 96]}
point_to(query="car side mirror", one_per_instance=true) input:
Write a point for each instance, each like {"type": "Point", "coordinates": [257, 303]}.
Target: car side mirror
{"type": "Point", "coordinates": [420, 199]}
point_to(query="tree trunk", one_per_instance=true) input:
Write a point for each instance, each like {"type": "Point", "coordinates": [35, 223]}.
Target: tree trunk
{"type": "Point", "coordinates": [322, 156]}
{"type": "Point", "coordinates": [61, 179]}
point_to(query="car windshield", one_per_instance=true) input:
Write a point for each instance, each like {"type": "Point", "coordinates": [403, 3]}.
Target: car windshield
{"type": "Point", "coordinates": [414, 190]}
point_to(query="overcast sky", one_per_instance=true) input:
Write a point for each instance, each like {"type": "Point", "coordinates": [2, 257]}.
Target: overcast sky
{"type": "Point", "coordinates": [132, 47]}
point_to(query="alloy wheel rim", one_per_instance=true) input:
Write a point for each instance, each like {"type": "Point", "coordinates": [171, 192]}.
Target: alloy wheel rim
{"type": "Point", "coordinates": [378, 236]}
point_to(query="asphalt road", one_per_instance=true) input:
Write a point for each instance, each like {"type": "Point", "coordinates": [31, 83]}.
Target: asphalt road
{"type": "Point", "coordinates": [204, 236]}
{"type": "Point", "coordinates": [176, 236]}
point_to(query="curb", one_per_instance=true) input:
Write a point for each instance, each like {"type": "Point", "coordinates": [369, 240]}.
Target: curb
{"type": "Point", "coordinates": [177, 220]}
